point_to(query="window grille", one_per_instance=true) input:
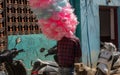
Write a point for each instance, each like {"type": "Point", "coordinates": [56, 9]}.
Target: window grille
{"type": "Point", "coordinates": [16, 19]}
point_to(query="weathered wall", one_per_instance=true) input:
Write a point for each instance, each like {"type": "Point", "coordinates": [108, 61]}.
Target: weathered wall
{"type": "Point", "coordinates": [90, 28]}
{"type": "Point", "coordinates": [32, 45]}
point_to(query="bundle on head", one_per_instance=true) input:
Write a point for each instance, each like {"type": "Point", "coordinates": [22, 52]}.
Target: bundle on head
{"type": "Point", "coordinates": [55, 17]}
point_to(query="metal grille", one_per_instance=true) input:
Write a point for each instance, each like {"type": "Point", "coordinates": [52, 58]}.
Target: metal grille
{"type": "Point", "coordinates": [16, 18]}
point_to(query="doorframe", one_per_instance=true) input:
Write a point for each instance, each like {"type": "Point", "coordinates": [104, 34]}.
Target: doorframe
{"type": "Point", "coordinates": [112, 22]}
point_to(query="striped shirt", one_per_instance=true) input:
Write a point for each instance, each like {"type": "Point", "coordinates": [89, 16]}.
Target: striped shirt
{"type": "Point", "coordinates": [68, 49]}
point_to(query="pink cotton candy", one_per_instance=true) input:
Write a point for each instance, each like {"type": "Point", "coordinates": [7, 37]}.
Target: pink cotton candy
{"type": "Point", "coordinates": [61, 22]}
{"type": "Point", "coordinates": [59, 25]}
{"type": "Point", "coordinates": [40, 3]}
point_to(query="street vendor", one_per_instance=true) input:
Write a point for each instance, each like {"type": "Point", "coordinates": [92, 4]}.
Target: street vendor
{"type": "Point", "coordinates": [58, 22]}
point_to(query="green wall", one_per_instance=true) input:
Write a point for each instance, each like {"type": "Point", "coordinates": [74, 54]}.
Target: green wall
{"type": "Point", "coordinates": [32, 45]}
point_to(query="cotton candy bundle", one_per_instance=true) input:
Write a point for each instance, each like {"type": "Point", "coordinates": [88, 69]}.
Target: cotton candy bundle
{"type": "Point", "coordinates": [55, 17]}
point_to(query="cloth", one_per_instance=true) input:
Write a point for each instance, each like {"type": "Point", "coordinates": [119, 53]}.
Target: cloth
{"type": "Point", "coordinates": [66, 71]}
{"type": "Point", "coordinates": [68, 50]}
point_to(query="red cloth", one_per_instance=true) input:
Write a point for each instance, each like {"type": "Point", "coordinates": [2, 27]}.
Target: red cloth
{"type": "Point", "coordinates": [68, 49]}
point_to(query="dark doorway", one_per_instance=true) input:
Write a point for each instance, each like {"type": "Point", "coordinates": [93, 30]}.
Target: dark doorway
{"type": "Point", "coordinates": [108, 24]}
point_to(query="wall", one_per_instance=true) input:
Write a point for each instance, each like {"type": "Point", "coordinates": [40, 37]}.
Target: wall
{"type": "Point", "coordinates": [32, 45]}
{"type": "Point", "coordinates": [76, 5]}
{"type": "Point", "coordinates": [90, 28]}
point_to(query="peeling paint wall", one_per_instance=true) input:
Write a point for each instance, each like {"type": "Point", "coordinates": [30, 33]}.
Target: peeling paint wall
{"type": "Point", "coordinates": [90, 28]}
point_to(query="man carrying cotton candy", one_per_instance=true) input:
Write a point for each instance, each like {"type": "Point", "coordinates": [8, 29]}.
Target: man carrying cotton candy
{"type": "Point", "coordinates": [58, 22]}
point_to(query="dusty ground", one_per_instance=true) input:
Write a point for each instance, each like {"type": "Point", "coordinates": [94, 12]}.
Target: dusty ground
{"type": "Point", "coordinates": [82, 69]}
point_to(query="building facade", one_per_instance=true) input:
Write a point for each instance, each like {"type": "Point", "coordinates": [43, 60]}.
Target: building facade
{"type": "Point", "coordinates": [16, 18]}
{"type": "Point", "coordinates": [18, 21]}
{"type": "Point", "coordinates": [100, 22]}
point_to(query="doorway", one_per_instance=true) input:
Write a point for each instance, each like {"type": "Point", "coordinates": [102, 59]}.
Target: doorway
{"type": "Point", "coordinates": [108, 24]}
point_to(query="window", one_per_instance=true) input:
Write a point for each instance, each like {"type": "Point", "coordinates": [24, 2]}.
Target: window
{"type": "Point", "coordinates": [13, 10]}
{"type": "Point", "coordinates": [24, 1]}
{"type": "Point", "coordinates": [25, 19]}
{"type": "Point", "coordinates": [19, 19]}
{"type": "Point", "coordinates": [26, 27]}
{"type": "Point", "coordinates": [24, 10]}
{"type": "Point", "coordinates": [31, 19]}
{"type": "Point", "coordinates": [20, 27]}
{"type": "Point", "coordinates": [8, 9]}
{"type": "Point", "coordinates": [36, 27]}
{"type": "Point", "coordinates": [13, 19]}
{"type": "Point", "coordinates": [8, 28]}
{"type": "Point", "coordinates": [8, 19]}
{"type": "Point", "coordinates": [31, 27]}
{"type": "Point", "coordinates": [19, 10]}
{"type": "Point", "coordinates": [13, 28]}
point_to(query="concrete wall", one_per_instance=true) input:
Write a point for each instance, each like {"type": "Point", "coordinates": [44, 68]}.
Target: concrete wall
{"type": "Point", "coordinates": [90, 28]}
{"type": "Point", "coordinates": [32, 45]}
